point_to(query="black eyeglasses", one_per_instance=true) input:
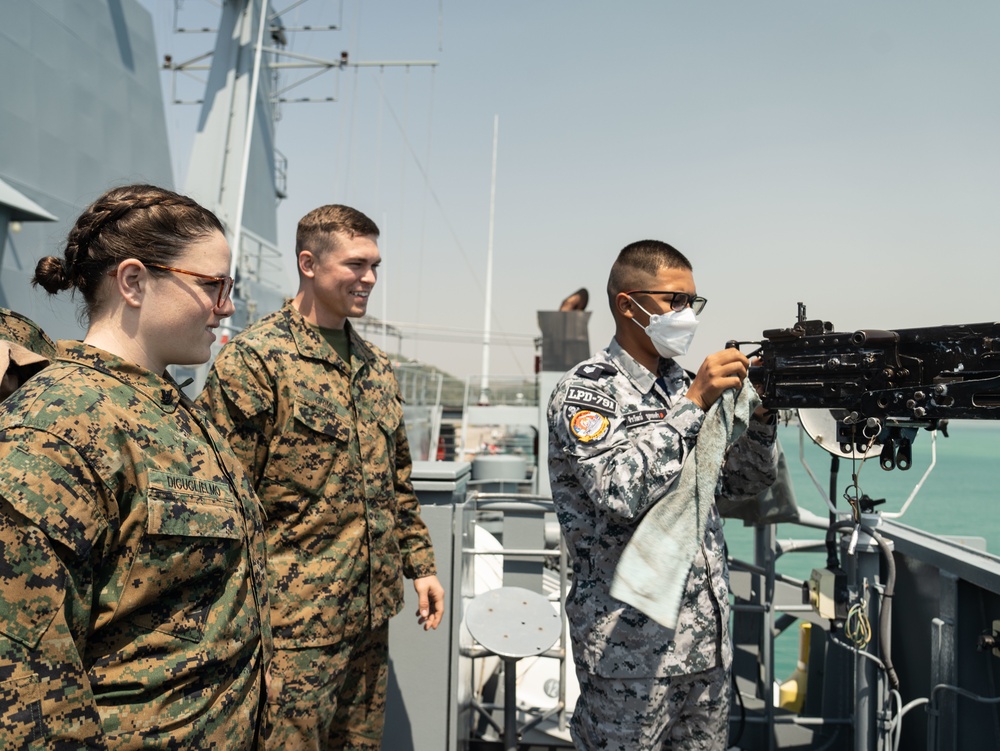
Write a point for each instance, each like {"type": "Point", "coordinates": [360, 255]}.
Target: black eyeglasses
{"type": "Point", "coordinates": [225, 282]}
{"type": "Point", "coordinates": [678, 300]}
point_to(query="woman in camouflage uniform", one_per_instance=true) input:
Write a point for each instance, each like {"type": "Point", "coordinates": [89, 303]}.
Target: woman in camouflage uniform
{"type": "Point", "coordinates": [133, 608]}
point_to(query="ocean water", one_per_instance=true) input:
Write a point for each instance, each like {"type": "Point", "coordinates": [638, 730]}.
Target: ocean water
{"type": "Point", "coordinates": [960, 497]}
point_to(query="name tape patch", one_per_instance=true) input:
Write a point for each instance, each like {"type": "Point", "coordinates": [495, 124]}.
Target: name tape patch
{"type": "Point", "coordinates": [186, 485]}
{"type": "Point", "coordinates": [641, 418]}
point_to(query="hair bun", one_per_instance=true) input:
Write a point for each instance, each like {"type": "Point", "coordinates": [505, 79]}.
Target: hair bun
{"type": "Point", "coordinates": [51, 274]}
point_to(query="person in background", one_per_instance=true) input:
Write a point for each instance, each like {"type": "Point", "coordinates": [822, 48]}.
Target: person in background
{"type": "Point", "coordinates": [315, 414]}
{"type": "Point", "coordinates": [133, 611]}
{"type": "Point", "coordinates": [577, 301]}
{"type": "Point", "coordinates": [24, 350]}
{"type": "Point", "coordinates": [621, 426]}
{"type": "Point", "coordinates": [21, 330]}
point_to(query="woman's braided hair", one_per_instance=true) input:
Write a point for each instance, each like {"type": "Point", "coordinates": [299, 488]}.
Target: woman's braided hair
{"type": "Point", "coordinates": [145, 222]}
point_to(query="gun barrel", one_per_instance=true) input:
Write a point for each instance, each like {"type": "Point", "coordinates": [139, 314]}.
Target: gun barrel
{"type": "Point", "coordinates": [874, 336]}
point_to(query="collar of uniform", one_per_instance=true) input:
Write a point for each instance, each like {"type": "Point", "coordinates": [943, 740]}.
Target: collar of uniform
{"type": "Point", "coordinates": [311, 344]}
{"type": "Point", "coordinates": [360, 347]}
{"type": "Point", "coordinates": [638, 374]}
{"type": "Point", "coordinates": [159, 388]}
{"type": "Point", "coordinates": [307, 340]}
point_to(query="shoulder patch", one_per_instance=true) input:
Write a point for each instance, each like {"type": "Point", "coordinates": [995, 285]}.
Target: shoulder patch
{"type": "Point", "coordinates": [590, 399]}
{"type": "Point", "coordinates": [595, 370]}
{"type": "Point", "coordinates": [588, 426]}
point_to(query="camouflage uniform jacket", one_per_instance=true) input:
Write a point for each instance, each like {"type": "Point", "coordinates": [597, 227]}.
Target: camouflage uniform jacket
{"type": "Point", "coordinates": [325, 445]}
{"type": "Point", "coordinates": [618, 437]}
{"type": "Point", "coordinates": [133, 601]}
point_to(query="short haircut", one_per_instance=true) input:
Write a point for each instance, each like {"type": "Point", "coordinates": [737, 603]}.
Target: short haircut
{"type": "Point", "coordinates": [317, 229]}
{"type": "Point", "coordinates": [639, 261]}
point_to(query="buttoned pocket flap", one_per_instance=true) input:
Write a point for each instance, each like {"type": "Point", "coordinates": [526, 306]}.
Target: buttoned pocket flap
{"type": "Point", "coordinates": [323, 417]}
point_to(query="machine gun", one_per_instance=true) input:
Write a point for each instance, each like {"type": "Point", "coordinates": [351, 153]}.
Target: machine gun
{"type": "Point", "coordinates": [881, 386]}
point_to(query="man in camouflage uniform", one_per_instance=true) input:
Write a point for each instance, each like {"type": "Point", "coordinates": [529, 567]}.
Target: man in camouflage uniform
{"type": "Point", "coordinates": [314, 412]}
{"type": "Point", "coordinates": [133, 599]}
{"type": "Point", "coordinates": [621, 425]}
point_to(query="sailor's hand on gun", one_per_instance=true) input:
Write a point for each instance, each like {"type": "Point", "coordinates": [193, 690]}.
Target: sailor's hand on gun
{"type": "Point", "coordinates": [720, 371]}
{"type": "Point", "coordinates": [761, 413]}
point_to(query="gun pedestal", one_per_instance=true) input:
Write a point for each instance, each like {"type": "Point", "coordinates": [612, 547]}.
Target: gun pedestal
{"type": "Point", "coordinates": [853, 595]}
{"type": "Point", "coordinates": [865, 586]}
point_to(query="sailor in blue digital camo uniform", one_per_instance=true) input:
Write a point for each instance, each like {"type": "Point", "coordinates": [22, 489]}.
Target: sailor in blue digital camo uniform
{"type": "Point", "coordinates": [621, 425]}
{"type": "Point", "coordinates": [133, 600]}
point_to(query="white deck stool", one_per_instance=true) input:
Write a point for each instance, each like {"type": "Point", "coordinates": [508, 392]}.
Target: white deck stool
{"type": "Point", "coordinates": [512, 623]}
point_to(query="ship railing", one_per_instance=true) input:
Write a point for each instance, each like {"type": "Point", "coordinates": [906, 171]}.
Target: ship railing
{"type": "Point", "coordinates": [502, 416]}
{"type": "Point", "coordinates": [418, 385]}
{"type": "Point", "coordinates": [501, 391]}
{"type": "Point", "coordinates": [261, 261]}
{"type": "Point", "coordinates": [513, 540]}
{"type": "Point", "coordinates": [422, 409]}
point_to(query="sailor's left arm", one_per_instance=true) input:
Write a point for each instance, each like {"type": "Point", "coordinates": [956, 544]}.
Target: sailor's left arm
{"type": "Point", "coordinates": [751, 464]}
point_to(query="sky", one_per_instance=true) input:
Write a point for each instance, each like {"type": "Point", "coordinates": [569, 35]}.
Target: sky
{"type": "Point", "coordinates": [843, 155]}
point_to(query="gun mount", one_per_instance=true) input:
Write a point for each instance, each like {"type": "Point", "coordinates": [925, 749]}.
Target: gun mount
{"type": "Point", "coordinates": [874, 380]}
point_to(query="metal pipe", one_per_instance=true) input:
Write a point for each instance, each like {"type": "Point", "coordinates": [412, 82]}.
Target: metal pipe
{"type": "Point", "coordinates": [509, 704]}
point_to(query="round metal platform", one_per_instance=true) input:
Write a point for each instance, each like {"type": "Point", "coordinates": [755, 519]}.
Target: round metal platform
{"type": "Point", "coordinates": [513, 622]}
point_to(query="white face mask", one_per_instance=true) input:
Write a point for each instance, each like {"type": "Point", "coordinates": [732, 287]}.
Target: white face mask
{"type": "Point", "coordinates": [670, 333]}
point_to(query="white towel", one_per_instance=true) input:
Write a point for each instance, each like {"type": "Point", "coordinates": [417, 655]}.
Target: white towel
{"type": "Point", "coordinates": [654, 566]}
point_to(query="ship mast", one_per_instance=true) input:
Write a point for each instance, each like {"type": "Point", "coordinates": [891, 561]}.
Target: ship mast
{"type": "Point", "coordinates": [484, 393]}
{"type": "Point", "coordinates": [237, 228]}
{"type": "Point", "coordinates": [233, 168]}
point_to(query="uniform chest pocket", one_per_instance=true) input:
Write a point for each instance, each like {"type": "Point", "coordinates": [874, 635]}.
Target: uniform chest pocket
{"type": "Point", "coordinates": [383, 421]}
{"type": "Point", "coordinates": [192, 518]}
{"type": "Point", "coordinates": [314, 445]}
{"type": "Point", "coordinates": [192, 550]}
{"type": "Point", "coordinates": [388, 413]}
{"type": "Point", "coordinates": [324, 418]}
{"type": "Point", "coordinates": [21, 713]}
